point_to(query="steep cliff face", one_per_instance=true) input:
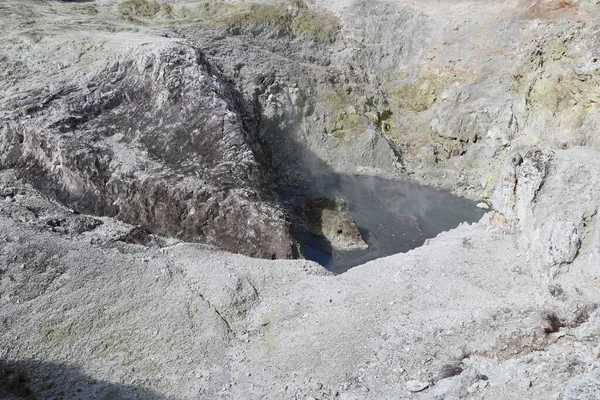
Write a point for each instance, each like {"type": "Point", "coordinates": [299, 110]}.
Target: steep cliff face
{"type": "Point", "coordinates": [317, 114]}
{"type": "Point", "coordinates": [442, 92]}
{"type": "Point", "coordinates": [137, 127]}
{"type": "Point", "coordinates": [114, 116]}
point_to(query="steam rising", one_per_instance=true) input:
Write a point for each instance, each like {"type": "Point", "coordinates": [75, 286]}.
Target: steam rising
{"type": "Point", "coordinates": [393, 216]}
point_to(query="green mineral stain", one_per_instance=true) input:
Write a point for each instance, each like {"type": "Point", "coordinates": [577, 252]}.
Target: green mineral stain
{"type": "Point", "coordinates": [292, 16]}
{"type": "Point", "coordinates": [345, 120]}
{"type": "Point", "coordinates": [418, 94]}
{"type": "Point", "coordinates": [139, 8]}
{"type": "Point", "coordinates": [323, 26]}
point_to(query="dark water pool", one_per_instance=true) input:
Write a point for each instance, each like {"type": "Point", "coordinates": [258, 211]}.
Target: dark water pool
{"type": "Point", "coordinates": [392, 216]}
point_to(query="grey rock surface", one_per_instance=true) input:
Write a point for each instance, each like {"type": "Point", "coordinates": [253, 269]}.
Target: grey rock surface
{"type": "Point", "coordinates": [536, 194]}
{"type": "Point", "coordinates": [465, 312]}
{"type": "Point", "coordinates": [126, 128]}
{"type": "Point", "coordinates": [140, 128]}
{"type": "Point", "coordinates": [416, 386]}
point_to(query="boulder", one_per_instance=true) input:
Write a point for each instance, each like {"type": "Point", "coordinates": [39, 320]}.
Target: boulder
{"type": "Point", "coordinates": [327, 218]}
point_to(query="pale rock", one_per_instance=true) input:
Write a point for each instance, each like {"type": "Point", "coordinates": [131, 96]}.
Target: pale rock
{"type": "Point", "coordinates": [416, 386]}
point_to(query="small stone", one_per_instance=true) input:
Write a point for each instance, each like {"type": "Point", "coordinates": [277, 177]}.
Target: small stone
{"type": "Point", "coordinates": [473, 388]}
{"type": "Point", "coordinates": [483, 206]}
{"type": "Point", "coordinates": [525, 384]}
{"type": "Point", "coordinates": [416, 386]}
{"type": "Point", "coordinates": [442, 387]}
{"type": "Point", "coordinates": [316, 385]}
{"type": "Point", "coordinates": [483, 182]}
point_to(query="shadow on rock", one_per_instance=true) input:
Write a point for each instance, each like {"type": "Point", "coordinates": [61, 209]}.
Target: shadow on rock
{"type": "Point", "coordinates": [32, 379]}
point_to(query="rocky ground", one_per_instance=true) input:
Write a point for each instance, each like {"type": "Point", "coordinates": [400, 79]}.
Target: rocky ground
{"type": "Point", "coordinates": [131, 131]}
{"type": "Point", "coordinates": [90, 310]}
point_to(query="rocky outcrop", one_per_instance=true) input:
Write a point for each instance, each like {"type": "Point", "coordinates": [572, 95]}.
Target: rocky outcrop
{"type": "Point", "coordinates": [549, 197]}
{"type": "Point", "coordinates": [407, 89]}
{"type": "Point", "coordinates": [329, 219]}
{"type": "Point", "coordinates": [143, 129]}
{"type": "Point", "coordinates": [520, 182]}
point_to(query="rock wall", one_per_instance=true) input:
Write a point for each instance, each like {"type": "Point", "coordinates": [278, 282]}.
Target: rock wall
{"type": "Point", "coordinates": [551, 198]}
{"type": "Point", "coordinates": [141, 128]}
{"type": "Point", "coordinates": [438, 92]}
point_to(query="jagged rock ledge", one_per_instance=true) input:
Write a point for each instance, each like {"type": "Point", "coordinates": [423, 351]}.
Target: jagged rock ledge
{"type": "Point", "coordinates": [143, 129]}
